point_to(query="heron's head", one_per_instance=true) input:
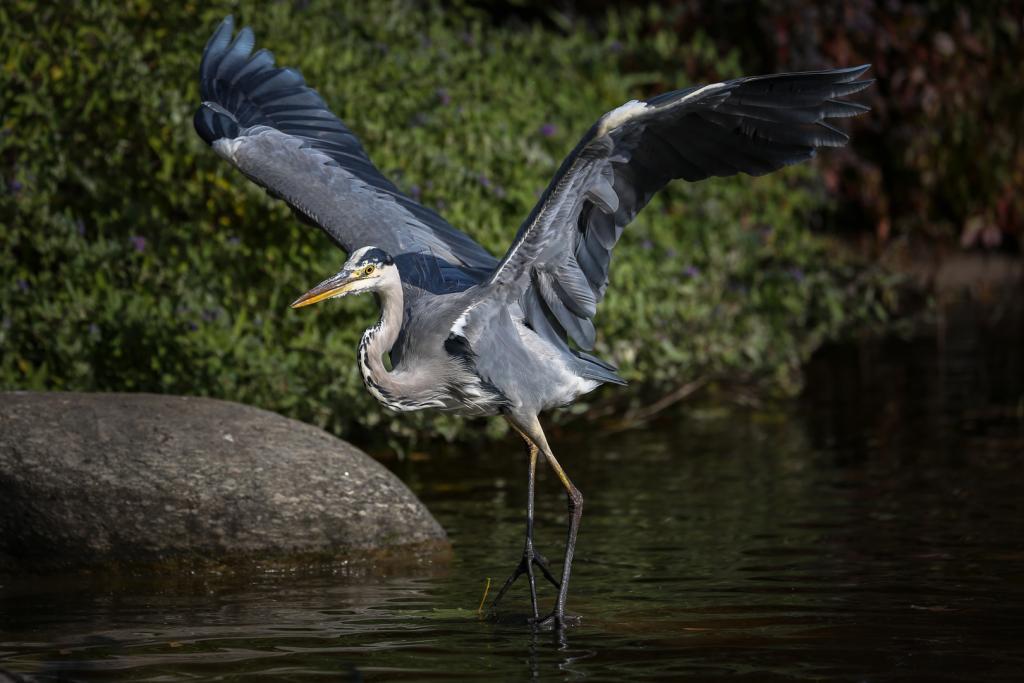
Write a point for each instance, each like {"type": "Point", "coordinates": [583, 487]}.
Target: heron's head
{"type": "Point", "coordinates": [367, 270]}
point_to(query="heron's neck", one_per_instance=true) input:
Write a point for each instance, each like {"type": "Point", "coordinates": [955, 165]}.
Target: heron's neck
{"type": "Point", "coordinates": [379, 340]}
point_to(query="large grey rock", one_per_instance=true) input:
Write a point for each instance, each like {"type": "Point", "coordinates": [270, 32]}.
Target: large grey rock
{"type": "Point", "coordinates": [89, 478]}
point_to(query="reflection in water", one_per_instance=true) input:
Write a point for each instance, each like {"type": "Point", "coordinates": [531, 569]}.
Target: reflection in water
{"type": "Point", "coordinates": [874, 531]}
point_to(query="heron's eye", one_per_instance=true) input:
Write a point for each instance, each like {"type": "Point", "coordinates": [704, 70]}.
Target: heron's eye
{"type": "Point", "coordinates": [369, 269]}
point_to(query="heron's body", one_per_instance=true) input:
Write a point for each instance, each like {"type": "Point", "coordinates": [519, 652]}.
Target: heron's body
{"type": "Point", "coordinates": [466, 332]}
{"type": "Point", "coordinates": [424, 342]}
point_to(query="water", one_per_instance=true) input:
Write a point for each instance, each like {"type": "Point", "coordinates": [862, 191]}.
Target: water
{"type": "Point", "coordinates": [873, 531]}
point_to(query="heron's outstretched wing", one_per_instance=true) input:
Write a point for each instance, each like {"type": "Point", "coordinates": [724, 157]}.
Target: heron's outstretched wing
{"type": "Point", "coordinates": [557, 267]}
{"type": "Point", "coordinates": [279, 132]}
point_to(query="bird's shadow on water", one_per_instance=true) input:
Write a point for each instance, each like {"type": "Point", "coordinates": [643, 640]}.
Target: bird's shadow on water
{"type": "Point", "coordinates": [544, 646]}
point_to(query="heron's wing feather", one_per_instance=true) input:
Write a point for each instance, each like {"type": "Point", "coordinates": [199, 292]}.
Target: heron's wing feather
{"type": "Point", "coordinates": [279, 132]}
{"type": "Point", "coordinates": [557, 267]}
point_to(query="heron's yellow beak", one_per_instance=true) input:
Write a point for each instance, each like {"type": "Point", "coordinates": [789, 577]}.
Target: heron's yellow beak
{"type": "Point", "coordinates": [333, 286]}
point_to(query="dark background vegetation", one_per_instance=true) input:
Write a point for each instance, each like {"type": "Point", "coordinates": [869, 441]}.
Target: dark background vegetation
{"type": "Point", "coordinates": [941, 158]}
{"type": "Point", "coordinates": [133, 259]}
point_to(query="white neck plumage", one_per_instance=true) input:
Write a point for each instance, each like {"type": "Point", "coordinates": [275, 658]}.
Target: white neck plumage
{"type": "Point", "coordinates": [380, 339]}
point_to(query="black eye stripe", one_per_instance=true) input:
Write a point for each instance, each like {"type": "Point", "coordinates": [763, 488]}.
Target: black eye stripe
{"type": "Point", "coordinates": [377, 256]}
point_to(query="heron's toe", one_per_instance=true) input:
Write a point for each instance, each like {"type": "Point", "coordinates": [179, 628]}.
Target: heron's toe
{"type": "Point", "coordinates": [557, 622]}
{"type": "Point", "coordinates": [542, 562]}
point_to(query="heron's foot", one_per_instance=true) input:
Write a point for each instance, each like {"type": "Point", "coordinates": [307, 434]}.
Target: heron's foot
{"type": "Point", "coordinates": [529, 559]}
{"type": "Point", "coordinates": [557, 621]}
{"type": "Point", "coordinates": [542, 564]}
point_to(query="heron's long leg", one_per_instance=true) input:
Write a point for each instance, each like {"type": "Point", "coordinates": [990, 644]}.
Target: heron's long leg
{"type": "Point", "coordinates": [531, 488]}
{"type": "Point", "coordinates": [526, 563]}
{"type": "Point", "coordinates": [557, 617]}
{"type": "Point", "coordinates": [530, 556]}
{"type": "Point", "coordinates": [532, 430]}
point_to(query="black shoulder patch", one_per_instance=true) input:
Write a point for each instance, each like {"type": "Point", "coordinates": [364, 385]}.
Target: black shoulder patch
{"type": "Point", "coordinates": [457, 345]}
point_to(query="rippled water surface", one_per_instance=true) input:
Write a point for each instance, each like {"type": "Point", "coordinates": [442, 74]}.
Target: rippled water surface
{"type": "Point", "coordinates": [874, 530]}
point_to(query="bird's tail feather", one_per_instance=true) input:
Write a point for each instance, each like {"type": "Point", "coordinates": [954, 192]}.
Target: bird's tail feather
{"type": "Point", "coordinates": [592, 367]}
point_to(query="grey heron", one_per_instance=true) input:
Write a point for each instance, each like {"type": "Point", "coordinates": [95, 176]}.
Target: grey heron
{"type": "Point", "coordinates": [467, 332]}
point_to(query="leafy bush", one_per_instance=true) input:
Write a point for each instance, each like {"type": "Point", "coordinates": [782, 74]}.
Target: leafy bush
{"type": "Point", "coordinates": [134, 259]}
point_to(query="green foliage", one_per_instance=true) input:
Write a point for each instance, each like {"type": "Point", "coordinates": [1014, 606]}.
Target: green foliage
{"type": "Point", "coordinates": [134, 259]}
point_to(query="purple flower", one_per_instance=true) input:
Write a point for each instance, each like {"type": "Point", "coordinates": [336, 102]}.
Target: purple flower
{"type": "Point", "coordinates": [138, 243]}
{"type": "Point", "coordinates": [991, 237]}
{"type": "Point", "coordinates": [94, 330]}
{"type": "Point", "coordinates": [443, 97]}
{"type": "Point", "coordinates": [23, 285]}
{"type": "Point", "coordinates": [5, 324]}
{"type": "Point", "coordinates": [691, 271]}
{"type": "Point", "coordinates": [420, 119]}
{"type": "Point", "coordinates": [548, 130]}
{"type": "Point", "coordinates": [499, 192]}
{"type": "Point", "coordinates": [615, 46]}
{"type": "Point", "coordinates": [414, 192]}
{"type": "Point", "coordinates": [796, 273]}
{"type": "Point", "coordinates": [467, 38]}
{"type": "Point", "coordinates": [440, 204]}
{"type": "Point", "coordinates": [647, 245]}
{"type": "Point", "coordinates": [210, 314]}
{"type": "Point", "coordinates": [80, 227]}
{"type": "Point", "coordinates": [192, 327]}
{"type": "Point", "coordinates": [671, 253]}
{"type": "Point", "coordinates": [234, 241]}
{"type": "Point", "coordinates": [484, 180]}
{"type": "Point", "coordinates": [14, 186]}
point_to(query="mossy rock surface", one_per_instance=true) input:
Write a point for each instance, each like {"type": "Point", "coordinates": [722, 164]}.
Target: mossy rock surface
{"type": "Point", "coordinates": [88, 479]}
